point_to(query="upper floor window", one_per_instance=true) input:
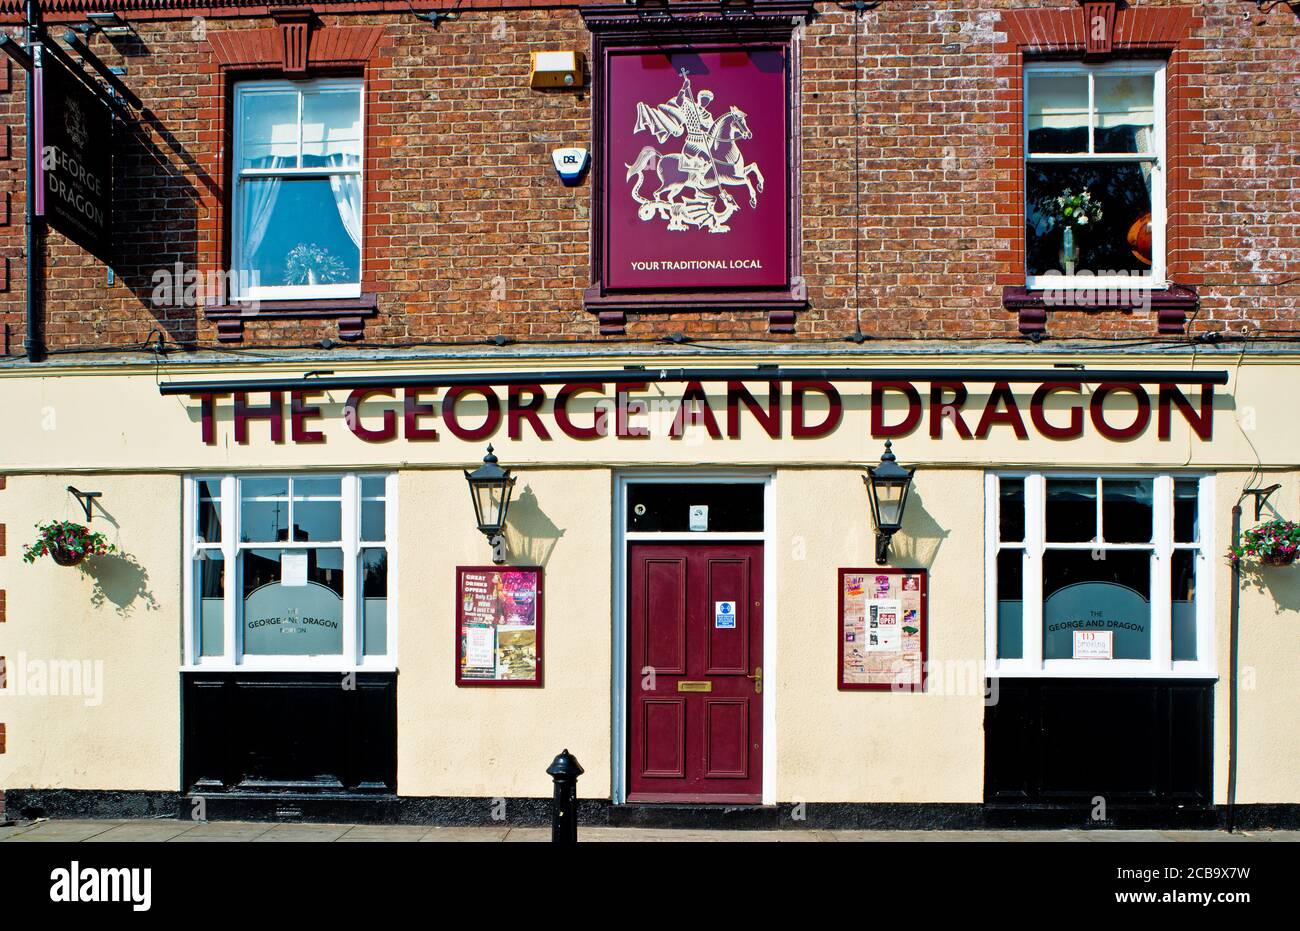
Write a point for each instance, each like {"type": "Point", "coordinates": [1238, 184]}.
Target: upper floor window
{"type": "Point", "coordinates": [297, 175]}
{"type": "Point", "coordinates": [1094, 174]}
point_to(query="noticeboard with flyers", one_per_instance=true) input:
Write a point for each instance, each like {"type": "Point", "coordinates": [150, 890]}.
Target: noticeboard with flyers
{"type": "Point", "coordinates": [499, 625]}
{"type": "Point", "coordinates": [882, 629]}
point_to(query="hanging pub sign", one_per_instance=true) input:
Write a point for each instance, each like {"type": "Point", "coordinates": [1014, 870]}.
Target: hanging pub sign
{"type": "Point", "coordinates": [882, 629]}
{"type": "Point", "coordinates": [498, 625]}
{"type": "Point", "coordinates": [74, 171]}
{"type": "Point", "coordinates": [695, 126]}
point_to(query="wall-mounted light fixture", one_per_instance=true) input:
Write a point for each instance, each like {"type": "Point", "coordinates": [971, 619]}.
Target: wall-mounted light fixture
{"type": "Point", "coordinates": [888, 485]}
{"type": "Point", "coordinates": [555, 69]}
{"type": "Point", "coordinates": [490, 488]}
{"type": "Point", "coordinates": [436, 17]}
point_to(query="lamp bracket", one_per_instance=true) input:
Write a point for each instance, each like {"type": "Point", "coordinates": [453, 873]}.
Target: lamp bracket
{"type": "Point", "coordinates": [1261, 496]}
{"type": "Point", "coordinates": [87, 500]}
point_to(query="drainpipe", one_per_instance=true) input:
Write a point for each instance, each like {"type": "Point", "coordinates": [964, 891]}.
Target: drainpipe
{"type": "Point", "coordinates": [1234, 604]}
{"type": "Point", "coordinates": [33, 340]}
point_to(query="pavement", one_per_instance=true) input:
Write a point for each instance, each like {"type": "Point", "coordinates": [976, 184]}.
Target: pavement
{"type": "Point", "coordinates": [69, 830]}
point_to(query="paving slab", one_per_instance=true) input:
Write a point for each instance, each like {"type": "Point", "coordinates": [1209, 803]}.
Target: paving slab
{"type": "Point", "coordinates": [142, 831]}
{"type": "Point", "coordinates": [63, 832]}
{"type": "Point", "coordinates": [379, 833]}
{"type": "Point", "coordinates": [227, 831]}
{"type": "Point", "coordinates": [303, 833]}
{"type": "Point", "coordinates": [461, 835]}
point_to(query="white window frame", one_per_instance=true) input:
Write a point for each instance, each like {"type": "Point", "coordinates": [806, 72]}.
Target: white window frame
{"type": "Point", "coordinates": [1158, 279]}
{"type": "Point", "coordinates": [1161, 665]}
{"type": "Point", "coordinates": [353, 657]}
{"type": "Point", "coordinates": [240, 275]}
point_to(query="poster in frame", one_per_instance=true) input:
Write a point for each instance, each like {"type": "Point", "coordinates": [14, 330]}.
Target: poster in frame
{"type": "Point", "coordinates": [498, 630]}
{"type": "Point", "coordinates": [883, 629]}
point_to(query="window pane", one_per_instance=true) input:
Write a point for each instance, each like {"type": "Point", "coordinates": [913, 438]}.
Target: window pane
{"type": "Point", "coordinates": [1183, 593]}
{"type": "Point", "coordinates": [372, 520]}
{"type": "Point", "coordinates": [212, 600]}
{"type": "Point", "coordinates": [294, 232]}
{"type": "Point", "coordinates": [269, 129]}
{"type": "Point", "coordinates": [374, 594]}
{"type": "Point", "coordinates": [372, 486]}
{"type": "Point", "coordinates": [317, 521]}
{"type": "Point", "coordinates": [1125, 113]}
{"type": "Point", "coordinates": [1010, 604]}
{"type": "Point", "coordinates": [209, 529]}
{"type": "Point", "coordinates": [285, 615]}
{"type": "Point", "coordinates": [1081, 593]}
{"type": "Point", "coordinates": [1071, 510]}
{"type": "Point", "coordinates": [264, 520]}
{"type": "Point", "coordinates": [317, 487]}
{"type": "Point", "coordinates": [1126, 510]}
{"type": "Point", "coordinates": [1011, 510]}
{"type": "Point", "coordinates": [331, 128]}
{"type": "Point", "coordinates": [1118, 241]}
{"type": "Point", "coordinates": [1058, 113]}
{"type": "Point", "coordinates": [1186, 524]}
{"type": "Point", "coordinates": [734, 508]}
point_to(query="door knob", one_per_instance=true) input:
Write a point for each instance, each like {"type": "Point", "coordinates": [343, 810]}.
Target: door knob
{"type": "Point", "coordinates": [757, 676]}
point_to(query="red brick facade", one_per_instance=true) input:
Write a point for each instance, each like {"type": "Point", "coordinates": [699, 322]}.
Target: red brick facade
{"type": "Point", "coordinates": [468, 233]}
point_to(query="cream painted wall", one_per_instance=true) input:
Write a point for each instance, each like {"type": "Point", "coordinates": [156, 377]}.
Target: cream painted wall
{"type": "Point", "coordinates": [120, 611]}
{"type": "Point", "coordinates": [837, 746]}
{"type": "Point", "coordinates": [1268, 749]}
{"type": "Point", "coordinates": [486, 741]}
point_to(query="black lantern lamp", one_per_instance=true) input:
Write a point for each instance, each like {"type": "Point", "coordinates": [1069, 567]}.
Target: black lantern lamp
{"type": "Point", "coordinates": [888, 485]}
{"type": "Point", "coordinates": [490, 487]}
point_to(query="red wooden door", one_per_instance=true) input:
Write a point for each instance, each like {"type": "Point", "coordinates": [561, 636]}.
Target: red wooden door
{"type": "Point", "coordinates": [695, 644]}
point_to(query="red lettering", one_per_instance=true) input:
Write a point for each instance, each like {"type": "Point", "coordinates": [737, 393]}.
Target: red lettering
{"type": "Point", "coordinates": [1001, 394]}
{"type": "Point", "coordinates": [569, 428]}
{"type": "Point", "coordinates": [941, 410]}
{"type": "Point", "coordinates": [412, 411]}
{"type": "Point", "coordinates": [879, 429]}
{"type": "Point", "coordinates": [519, 412]}
{"type": "Point", "coordinates": [208, 417]}
{"type": "Point", "coordinates": [272, 412]}
{"type": "Point", "coordinates": [1038, 411]}
{"type": "Point", "coordinates": [299, 413]}
{"type": "Point", "coordinates": [1202, 424]}
{"type": "Point", "coordinates": [626, 408]}
{"type": "Point", "coordinates": [769, 419]}
{"type": "Point", "coordinates": [835, 411]}
{"type": "Point", "coordinates": [492, 408]}
{"type": "Point", "coordinates": [1098, 411]}
{"type": "Point", "coordinates": [694, 395]}
{"type": "Point", "coordinates": [352, 416]}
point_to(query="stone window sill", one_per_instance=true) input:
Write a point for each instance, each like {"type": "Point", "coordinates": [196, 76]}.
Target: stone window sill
{"type": "Point", "coordinates": [350, 312]}
{"type": "Point", "coordinates": [1171, 305]}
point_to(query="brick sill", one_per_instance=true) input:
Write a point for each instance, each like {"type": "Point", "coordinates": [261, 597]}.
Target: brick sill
{"type": "Point", "coordinates": [612, 307]}
{"type": "Point", "coordinates": [1170, 304]}
{"type": "Point", "coordinates": [351, 313]}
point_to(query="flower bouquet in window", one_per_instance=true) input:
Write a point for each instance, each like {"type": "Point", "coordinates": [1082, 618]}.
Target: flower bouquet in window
{"type": "Point", "coordinates": [1073, 212]}
{"type": "Point", "coordinates": [310, 264]}
{"type": "Point", "coordinates": [67, 543]}
{"type": "Point", "coordinates": [1272, 543]}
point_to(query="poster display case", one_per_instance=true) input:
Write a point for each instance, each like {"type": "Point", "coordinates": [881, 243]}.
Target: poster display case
{"type": "Point", "coordinates": [882, 629]}
{"type": "Point", "coordinates": [499, 625]}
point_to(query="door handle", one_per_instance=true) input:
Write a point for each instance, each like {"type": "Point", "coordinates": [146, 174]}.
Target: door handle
{"type": "Point", "coordinates": [757, 676]}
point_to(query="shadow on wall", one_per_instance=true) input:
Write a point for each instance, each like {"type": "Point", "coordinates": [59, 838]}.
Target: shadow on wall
{"type": "Point", "coordinates": [530, 535]}
{"type": "Point", "coordinates": [1282, 583]}
{"type": "Point", "coordinates": [121, 580]}
{"type": "Point", "coordinates": [917, 546]}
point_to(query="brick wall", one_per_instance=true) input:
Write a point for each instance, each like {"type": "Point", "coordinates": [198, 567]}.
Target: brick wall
{"type": "Point", "coordinates": [462, 198]}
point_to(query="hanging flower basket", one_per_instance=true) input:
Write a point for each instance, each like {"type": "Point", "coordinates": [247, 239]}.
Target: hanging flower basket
{"type": "Point", "coordinates": [1272, 543]}
{"type": "Point", "coordinates": [67, 543]}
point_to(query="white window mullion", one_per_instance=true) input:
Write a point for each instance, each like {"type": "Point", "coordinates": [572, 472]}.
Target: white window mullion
{"type": "Point", "coordinates": [390, 547]}
{"type": "Point", "coordinates": [1162, 516]}
{"type": "Point", "coordinates": [1032, 606]}
{"type": "Point", "coordinates": [232, 648]}
{"type": "Point", "coordinates": [190, 586]}
{"type": "Point", "coordinates": [351, 513]}
{"type": "Point", "coordinates": [992, 521]}
{"type": "Point", "coordinates": [1092, 112]}
{"type": "Point", "coordinates": [1205, 570]}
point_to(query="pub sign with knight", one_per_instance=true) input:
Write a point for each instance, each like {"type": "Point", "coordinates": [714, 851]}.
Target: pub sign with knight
{"type": "Point", "coordinates": [696, 169]}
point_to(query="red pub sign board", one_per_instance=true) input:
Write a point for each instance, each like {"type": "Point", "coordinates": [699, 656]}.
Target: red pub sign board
{"type": "Point", "coordinates": [696, 169]}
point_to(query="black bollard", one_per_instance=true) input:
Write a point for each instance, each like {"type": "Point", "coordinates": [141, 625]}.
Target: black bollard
{"type": "Point", "coordinates": [564, 770]}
